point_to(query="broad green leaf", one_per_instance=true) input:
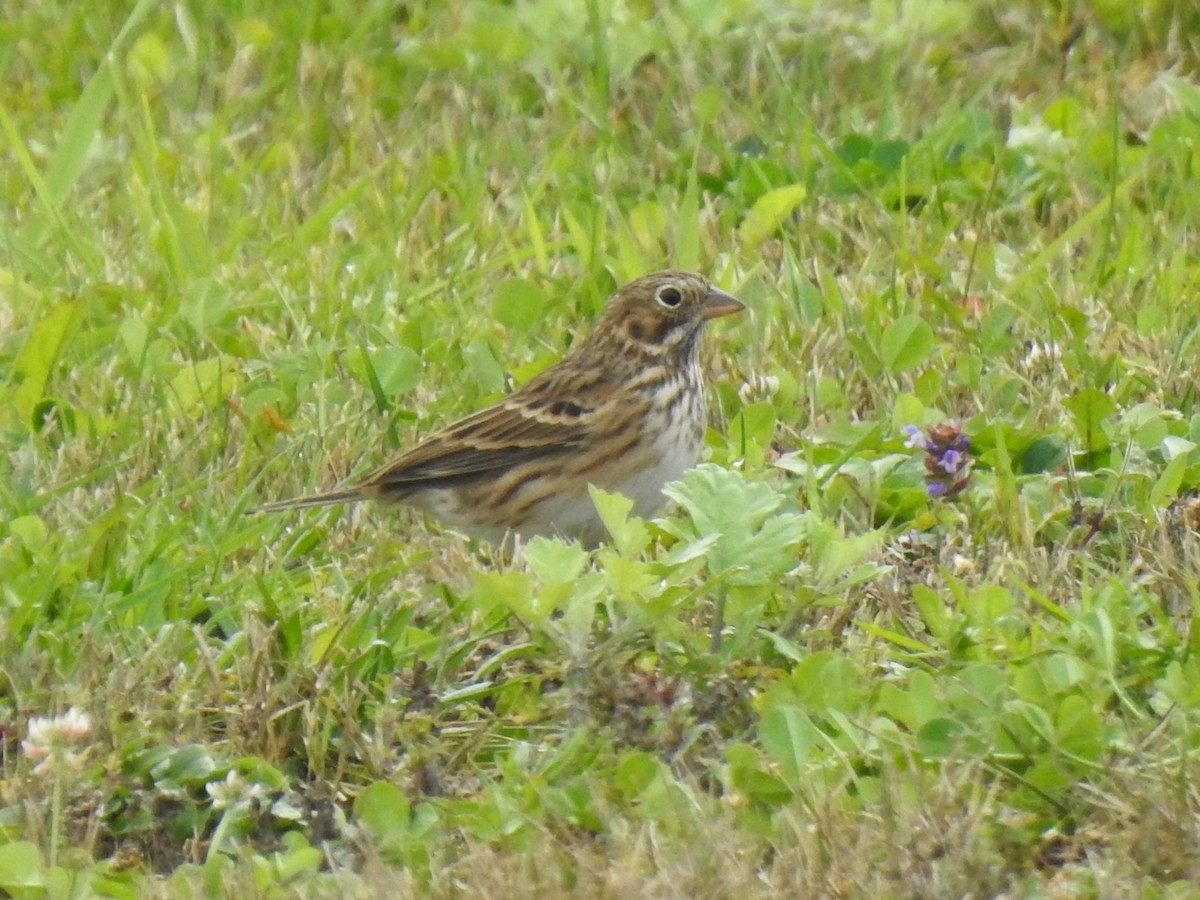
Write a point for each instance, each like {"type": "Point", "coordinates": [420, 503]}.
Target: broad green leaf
{"type": "Point", "coordinates": [257, 770]}
{"type": "Point", "coordinates": [1048, 778]}
{"type": "Point", "coordinates": [1146, 424]}
{"type": "Point", "coordinates": [1078, 729]}
{"type": "Point", "coordinates": [634, 773]}
{"type": "Point", "coordinates": [907, 409]}
{"type": "Point", "coordinates": [987, 602]}
{"type": "Point", "coordinates": [687, 551]}
{"type": "Point", "coordinates": [915, 703]}
{"type": "Point", "coordinates": [518, 304]}
{"type": "Point", "coordinates": [925, 695]}
{"type": "Point", "coordinates": [939, 738]}
{"type": "Point", "coordinates": [187, 765]}
{"type": "Point", "coordinates": [485, 370]}
{"type": "Point", "coordinates": [748, 773]}
{"type": "Point", "coordinates": [789, 735]}
{"type": "Point", "coordinates": [134, 334]}
{"type": "Point", "coordinates": [934, 612]}
{"type": "Point", "coordinates": [1173, 447]}
{"type": "Point", "coordinates": [298, 858]}
{"type": "Point", "coordinates": [30, 531]}
{"type": "Point", "coordinates": [753, 429]}
{"type": "Point", "coordinates": [384, 810]}
{"type": "Point", "coordinates": [1064, 114]}
{"type": "Point", "coordinates": [906, 343]}
{"type": "Point", "coordinates": [203, 384]}
{"type": "Point", "coordinates": [719, 500]}
{"type": "Point", "coordinates": [845, 433]}
{"type": "Point", "coordinates": [31, 370]}
{"type": "Point", "coordinates": [837, 557]}
{"type": "Point", "coordinates": [1166, 487]}
{"type": "Point", "coordinates": [186, 238]}
{"type": "Point", "coordinates": [889, 154]}
{"type": "Point", "coordinates": [398, 370]}
{"type": "Point", "coordinates": [205, 303]}
{"type": "Point", "coordinates": [20, 867]}
{"type": "Point", "coordinates": [150, 62]}
{"type": "Point", "coordinates": [1089, 408]}
{"type": "Point", "coordinates": [1104, 637]}
{"type": "Point", "coordinates": [769, 212]}
{"type": "Point", "coordinates": [627, 577]}
{"type": "Point", "coordinates": [397, 825]}
{"type": "Point", "coordinates": [827, 681]}
{"type": "Point", "coordinates": [1045, 454]}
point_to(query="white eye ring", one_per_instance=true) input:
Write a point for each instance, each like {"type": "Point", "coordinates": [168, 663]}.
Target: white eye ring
{"type": "Point", "coordinates": [668, 296]}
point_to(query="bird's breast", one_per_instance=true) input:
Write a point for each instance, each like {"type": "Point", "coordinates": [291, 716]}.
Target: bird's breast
{"type": "Point", "coordinates": [672, 439]}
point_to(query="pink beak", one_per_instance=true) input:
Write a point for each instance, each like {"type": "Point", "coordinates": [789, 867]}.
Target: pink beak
{"type": "Point", "coordinates": [718, 304]}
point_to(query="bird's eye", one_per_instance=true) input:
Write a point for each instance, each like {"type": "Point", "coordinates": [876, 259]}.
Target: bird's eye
{"type": "Point", "coordinates": [669, 297]}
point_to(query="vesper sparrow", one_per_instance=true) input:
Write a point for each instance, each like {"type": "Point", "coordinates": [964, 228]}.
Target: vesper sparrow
{"type": "Point", "coordinates": [624, 411]}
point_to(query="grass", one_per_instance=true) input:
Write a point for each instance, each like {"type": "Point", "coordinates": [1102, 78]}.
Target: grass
{"type": "Point", "coordinates": [250, 250]}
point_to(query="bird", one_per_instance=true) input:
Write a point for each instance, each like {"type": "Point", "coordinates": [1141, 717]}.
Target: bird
{"type": "Point", "coordinates": [624, 410]}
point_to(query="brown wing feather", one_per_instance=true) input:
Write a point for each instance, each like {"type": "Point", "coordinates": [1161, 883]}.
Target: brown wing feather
{"type": "Point", "coordinates": [548, 416]}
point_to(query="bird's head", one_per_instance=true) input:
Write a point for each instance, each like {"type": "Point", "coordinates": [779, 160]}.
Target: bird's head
{"type": "Point", "coordinates": [664, 312]}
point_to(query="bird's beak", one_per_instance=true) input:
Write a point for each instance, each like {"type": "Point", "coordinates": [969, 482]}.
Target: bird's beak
{"type": "Point", "coordinates": [718, 304]}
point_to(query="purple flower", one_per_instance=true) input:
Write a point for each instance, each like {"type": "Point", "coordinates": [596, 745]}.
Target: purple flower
{"type": "Point", "coordinates": [951, 461]}
{"type": "Point", "coordinates": [947, 457]}
{"type": "Point", "coordinates": [916, 437]}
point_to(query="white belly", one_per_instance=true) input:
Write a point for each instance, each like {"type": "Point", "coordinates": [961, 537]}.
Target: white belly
{"type": "Point", "coordinates": [675, 451]}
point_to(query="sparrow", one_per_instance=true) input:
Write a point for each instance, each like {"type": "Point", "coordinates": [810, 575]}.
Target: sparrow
{"type": "Point", "coordinates": [624, 410]}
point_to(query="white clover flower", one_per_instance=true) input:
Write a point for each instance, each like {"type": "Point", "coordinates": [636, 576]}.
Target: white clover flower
{"type": "Point", "coordinates": [233, 790]}
{"type": "Point", "coordinates": [758, 386]}
{"type": "Point", "coordinates": [1036, 352]}
{"type": "Point", "coordinates": [49, 738]}
{"type": "Point", "coordinates": [1037, 137]}
{"type": "Point", "coordinates": [51, 731]}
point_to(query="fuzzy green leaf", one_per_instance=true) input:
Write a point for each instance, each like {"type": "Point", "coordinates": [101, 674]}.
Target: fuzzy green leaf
{"type": "Point", "coordinates": [754, 537]}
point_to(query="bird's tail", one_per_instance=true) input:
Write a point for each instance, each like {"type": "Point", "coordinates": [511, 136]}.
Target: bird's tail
{"type": "Point", "coordinates": [347, 496]}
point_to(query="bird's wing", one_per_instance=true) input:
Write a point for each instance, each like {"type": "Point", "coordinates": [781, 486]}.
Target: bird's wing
{"type": "Point", "coordinates": [548, 416]}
